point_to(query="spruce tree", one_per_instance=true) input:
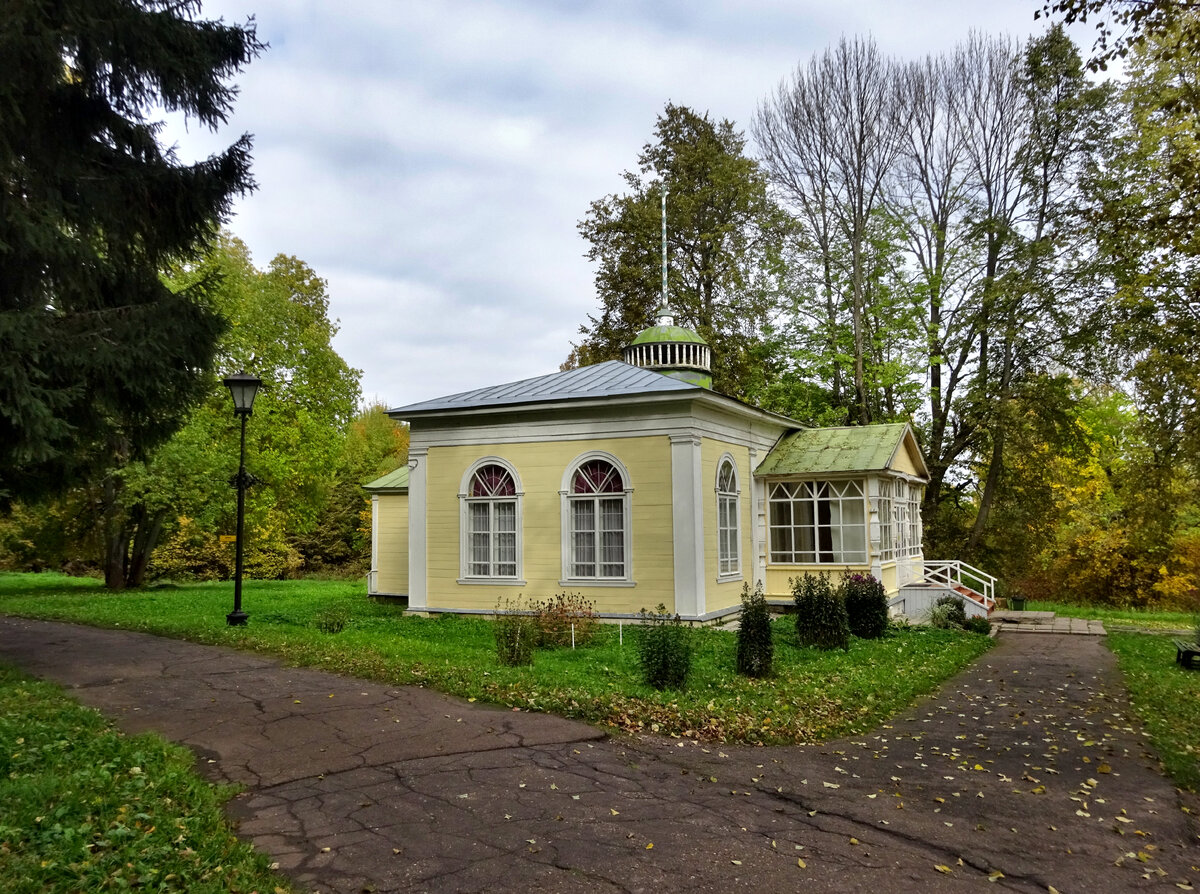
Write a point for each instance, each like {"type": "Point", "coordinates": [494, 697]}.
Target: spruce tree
{"type": "Point", "coordinates": [99, 360]}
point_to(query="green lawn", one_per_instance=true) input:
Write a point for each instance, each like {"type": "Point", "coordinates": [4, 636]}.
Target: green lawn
{"type": "Point", "coordinates": [1166, 697]}
{"type": "Point", "coordinates": [85, 808]}
{"type": "Point", "coordinates": [812, 696]}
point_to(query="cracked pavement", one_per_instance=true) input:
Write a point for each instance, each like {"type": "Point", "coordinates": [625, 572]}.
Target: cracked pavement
{"type": "Point", "coordinates": [1027, 771]}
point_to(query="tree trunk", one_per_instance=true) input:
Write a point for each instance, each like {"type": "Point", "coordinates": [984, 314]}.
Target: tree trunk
{"type": "Point", "coordinates": [148, 532]}
{"type": "Point", "coordinates": [114, 535]}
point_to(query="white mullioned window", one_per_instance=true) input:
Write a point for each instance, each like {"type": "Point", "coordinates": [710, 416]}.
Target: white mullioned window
{"type": "Point", "coordinates": [818, 522]}
{"type": "Point", "coordinates": [596, 508]}
{"type": "Point", "coordinates": [729, 558]}
{"type": "Point", "coordinates": [491, 523]}
{"type": "Point", "coordinates": [887, 527]}
{"type": "Point", "coordinates": [908, 519]}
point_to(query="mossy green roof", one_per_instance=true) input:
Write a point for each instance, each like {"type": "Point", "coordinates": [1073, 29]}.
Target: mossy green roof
{"type": "Point", "coordinates": [658, 334]}
{"type": "Point", "coordinates": [392, 481]}
{"type": "Point", "coordinates": [821, 451]}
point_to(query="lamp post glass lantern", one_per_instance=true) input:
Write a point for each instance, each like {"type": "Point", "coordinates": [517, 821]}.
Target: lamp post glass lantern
{"type": "Point", "coordinates": [244, 388]}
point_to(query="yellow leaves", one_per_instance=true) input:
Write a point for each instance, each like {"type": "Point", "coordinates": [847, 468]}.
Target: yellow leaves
{"type": "Point", "coordinates": [614, 811]}
{"type": "Point", "coordinates": [995, 875]}
{"type": "Point", "coordinates": [649, 845]}
{"type": "Point", "coordinates": [800, 862]}
{"type": "Point", "coordinates": [943, 869]}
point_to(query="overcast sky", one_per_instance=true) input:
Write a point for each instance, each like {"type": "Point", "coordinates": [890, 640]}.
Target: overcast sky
{"type": "Point", "coordinates": [431, 159]}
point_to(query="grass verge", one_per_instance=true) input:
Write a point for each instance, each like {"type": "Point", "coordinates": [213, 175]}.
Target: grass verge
{"type": "Point", "coordinates": [1166, 697]}
{"type": "Point", "coordinates": [811, 696]}
{"type": "Point", "coordinates": [85, 808]}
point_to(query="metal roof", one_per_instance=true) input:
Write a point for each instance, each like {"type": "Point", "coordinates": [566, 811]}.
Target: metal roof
{"type": "Point", "coordinates": [397, 480]}
{"type": "Point", "coordinates": [611, 379]}
{"type": "Point", "coordinates": [662, 333]}
{"type": "Point", "coordinates": [858, 448]}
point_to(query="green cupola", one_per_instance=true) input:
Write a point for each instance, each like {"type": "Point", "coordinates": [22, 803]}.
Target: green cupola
{"type": "Point", "coordinates": [673, 351]}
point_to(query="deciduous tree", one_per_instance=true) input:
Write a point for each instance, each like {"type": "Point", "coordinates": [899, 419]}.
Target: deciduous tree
{"type": "Point", "coordinates": [724, 242]}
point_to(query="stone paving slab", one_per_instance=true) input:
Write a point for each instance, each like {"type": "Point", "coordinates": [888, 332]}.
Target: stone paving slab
{"type": "Point", "coordinates": [1027, 764]}
{"type": "Point", "coordinates": [1045, 622]}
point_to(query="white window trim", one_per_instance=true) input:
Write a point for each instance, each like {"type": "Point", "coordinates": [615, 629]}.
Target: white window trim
{"type": "Point", "coordinates": [566, 545]}
{"type": "Point", "coordinates": [736, 573]}
{"type": "Point", "coordinates": [464, 526]}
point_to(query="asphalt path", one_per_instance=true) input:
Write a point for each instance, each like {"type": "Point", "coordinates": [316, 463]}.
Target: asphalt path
{"type": "Point", "coordinates": [1026, 772]}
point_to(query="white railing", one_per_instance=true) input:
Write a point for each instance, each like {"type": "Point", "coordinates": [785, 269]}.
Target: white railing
{"type": "Point", "coordinates": [955, 574]}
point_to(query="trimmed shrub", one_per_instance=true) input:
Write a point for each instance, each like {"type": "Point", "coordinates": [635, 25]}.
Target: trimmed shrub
{"type": "Point", "coordinates": [978, 624]}
{"type": "Point", "coordinates": [755, 650]}
{"type": "Point", "coordinates": [956, 612]}
{"type": "Point", "coordinates": [664, 649]}
{"type": "Point", "coordinates": [821, 618]}
{"type": "Point", "coordinates": [866, 605]}
{"type": "Point", "coordinates": [516, 633]}
{"type": "Point", "coordinates": [556, 616]}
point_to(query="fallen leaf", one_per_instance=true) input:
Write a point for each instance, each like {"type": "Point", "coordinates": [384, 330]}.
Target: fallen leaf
{"type": "Point", "coordinates": [650, 845]}
{"type": "Point", "coordinates": [940, 868]}
{"type": "Point", "coordinates": [801, 863]}
{"type": "Point", "coordinates": [995, 876]}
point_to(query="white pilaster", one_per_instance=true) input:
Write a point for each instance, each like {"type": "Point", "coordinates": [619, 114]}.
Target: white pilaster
{"type": "Point", "coordinates": [417, 580]}
{"type": "Point", "coordinates": [687, 504]}
{"type": "Point", "coordinates": [374, 572]}
{"type": "Point", "coordinates": [758, 525]}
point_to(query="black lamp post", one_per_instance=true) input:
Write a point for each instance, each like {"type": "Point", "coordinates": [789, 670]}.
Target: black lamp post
{"type": "Point", "coordinates": [243, 387]}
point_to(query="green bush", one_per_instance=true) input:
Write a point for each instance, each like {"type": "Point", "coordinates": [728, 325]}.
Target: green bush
{"type": "Point", "coordinates": [664, 649]}
{"type": "Point", "coordinates": [978, 624]}
{"type": "Point", "coordinates": [556, 617]}
{"type": "Point", "coordinates": [821, 618]}
{"type": "Point", "coordinates": [333, 619]}
{"type": "Point", "coordinates": [516, 633]}
{"type": "Point", "coordinates": [755, 650]}
{"type": "Point", "coordinates": [956, 612]}
{"type": "Point", "coordinates": [866, 605]}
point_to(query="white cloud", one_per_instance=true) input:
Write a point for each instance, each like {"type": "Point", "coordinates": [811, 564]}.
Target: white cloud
{"type": "Point", "coordinates": [431, 159]}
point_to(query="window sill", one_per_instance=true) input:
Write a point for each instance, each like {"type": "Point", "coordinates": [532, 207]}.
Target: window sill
{"type": "Point", "coordinates": [597, 582]}
{"type": "Point", "coordinates": [491, 581]}
{"type": "Point", "coordinates": [729, 578]}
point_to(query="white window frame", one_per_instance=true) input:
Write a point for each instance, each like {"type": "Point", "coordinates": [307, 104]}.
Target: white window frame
{"type": "Point", "coordinates": [729, 562]}
{"type": "Point", "coordinates": [808, 492]}
{"type": "Point", "coordinates": [887, 518]}
{"type": "Point", "coordinates": [907, 511]}
{"type": "Point", "coordinates": [465, 502]}
{"type": "Point", "coordinates": [567, 500]}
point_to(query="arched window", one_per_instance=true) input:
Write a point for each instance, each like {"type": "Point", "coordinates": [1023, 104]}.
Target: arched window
{"type": "Point", "coordinates": [729, 559]}
{"type": "Point", "coordinates": [491, 523]}
{"type": "Point", "coordinates": [596, 522]}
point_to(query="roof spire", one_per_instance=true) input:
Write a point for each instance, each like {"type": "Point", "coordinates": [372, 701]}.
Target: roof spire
{"type": "Point", "coordinates": [665, 317]}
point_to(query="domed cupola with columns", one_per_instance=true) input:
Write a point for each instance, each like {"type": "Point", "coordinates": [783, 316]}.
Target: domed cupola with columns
{"type": "Point", "coordinates": [673, 351]}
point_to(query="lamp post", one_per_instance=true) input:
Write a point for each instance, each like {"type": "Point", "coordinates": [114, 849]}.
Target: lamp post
{"type": "Point", "coordinates": [243, 387]}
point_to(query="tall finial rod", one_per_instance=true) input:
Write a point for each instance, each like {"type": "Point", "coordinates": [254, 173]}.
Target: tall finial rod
{"type": "Point", "coordinates": [664, 246]}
